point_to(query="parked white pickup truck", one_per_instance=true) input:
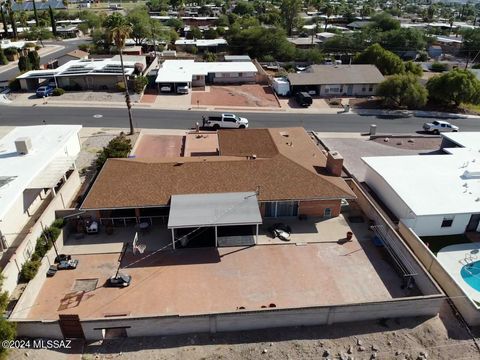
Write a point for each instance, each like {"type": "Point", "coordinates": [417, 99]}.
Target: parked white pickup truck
{"type": "Point", "coordinates": [227, 121]}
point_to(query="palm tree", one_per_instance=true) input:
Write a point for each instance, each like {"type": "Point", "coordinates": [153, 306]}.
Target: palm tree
{"type": "Point", "coordinates": [4, 21]}
{"type": "Point", "coordinates": [35, 12]}
{"type": "Point", "coordinates": [118, 31]}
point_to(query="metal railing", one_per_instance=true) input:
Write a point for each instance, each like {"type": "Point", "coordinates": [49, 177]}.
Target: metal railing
{"type": "Point", "coordinates": [126, 220]}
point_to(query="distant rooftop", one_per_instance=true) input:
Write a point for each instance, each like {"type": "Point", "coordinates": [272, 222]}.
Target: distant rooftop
{"type": "Point", "coordinates": [337, 74]}
{"type": "Point", "coordinates": [20, 172]}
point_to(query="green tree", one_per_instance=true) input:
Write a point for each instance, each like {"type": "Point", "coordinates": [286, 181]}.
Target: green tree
{"type": "Point", "coordinates": [402, 90]}
{"type": "Point", "coordinates": [34, 60]}
{"type": "Point", "coordinates": [211, 33]}
{"type": "Point", "coordinates": [24, 63]}
{"type": "Point", "coordinates": [243, 8]}
{"type": "Point", "coordinates": [289, 11]}
{"type": "Point", "coordinates": [52, 21]}
{"type": "Point", "coordinates": [141, 26]}
{"type": "Point", "coordinates": [38, 33]}
{"type": "Point", "coordinates": [11, 15]}
{"type": "Point", "coordinates": [400, 40]}
{"type": "Point", "coordinates": [413, 68]}
{"type": "Point", "coordinates": [118, 147]}
{"type": "Point", "coordinates": [454, 87]}
{"type": "Point", "coordinates": [118, 31]}
{"type": "Point", "coordinates": [7, 329]}
{"type": "Point", "coordinates": [471, 42]}
{"type": "Point", "coordinates": [174, 23]}
{"type": "Point", "coordinates": [387, 62]}
{"type": "Point", "coordinates": [3, 58]}
{"type": "Point", "coordinates": [385, 22]}
{"type": "Point", "coordinates": [195, 33]}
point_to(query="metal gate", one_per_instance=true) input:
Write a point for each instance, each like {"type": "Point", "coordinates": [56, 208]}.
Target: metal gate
{"type": "Point", "coordinates": [71, 326]}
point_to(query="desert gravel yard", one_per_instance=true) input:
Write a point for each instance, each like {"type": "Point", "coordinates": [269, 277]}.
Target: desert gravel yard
{"type": "Point", "coordinates": [236, 95]}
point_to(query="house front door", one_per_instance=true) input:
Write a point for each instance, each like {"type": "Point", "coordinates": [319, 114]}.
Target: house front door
{"type": "Point", "coordinates": [350, 90]}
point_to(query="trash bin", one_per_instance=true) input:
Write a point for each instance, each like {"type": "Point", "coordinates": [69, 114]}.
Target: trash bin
{"type": "Point", "coordinates": [373, 129]}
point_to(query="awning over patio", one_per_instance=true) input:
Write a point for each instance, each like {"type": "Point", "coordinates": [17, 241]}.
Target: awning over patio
{"type": "Point", "coordinates": [220, 209]}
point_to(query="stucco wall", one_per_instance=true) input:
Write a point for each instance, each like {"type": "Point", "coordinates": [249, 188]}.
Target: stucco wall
{"type": "Point", "coordinates": [60, 201]}
{"type": "Point", "coordinates": [357, 90]}
{"type": "Point", "coordinates": [432, 225]}
{"type": "Point", "coordinates": [467, 308]}
{"type": "Point", "coordinates": [234, 80]}
{"type": "Point", "coordinates": [317, 207]}
{"type": "Point", "coordinates": [167, 325]}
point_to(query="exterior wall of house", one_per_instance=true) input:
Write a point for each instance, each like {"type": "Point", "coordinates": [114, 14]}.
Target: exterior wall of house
{"type": "Point", "coordinates": [431, 225]}
{"type": "Point", "coordinates": [90, 82]}
{"type": "Point", "coordinates": [233, 78]}
{"type": "Point", "coordinates": [343, 89]}
{"type": "Point", "coordinates": [198, 80]}
{"type": "Point", "coordinates": [388, 196]}
{"type": "Point", "coordinates": [317, 207]}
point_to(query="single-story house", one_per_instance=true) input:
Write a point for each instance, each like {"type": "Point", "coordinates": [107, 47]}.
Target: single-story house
{"type": "Point", "coordinates": [439, 194]}
{"type": "Point", "coordinates": [192, 73]}
{"type": "Point", "coordinates": [232, 191]}
{"type": "Point", "coordinates": [337, 80]}
{"type": "Point", "coordinates": [324, 36]}
{"type": "Point", "coordinates": [91, 74]}
{"type": "Point", "coordinates": [212, 45]}
{"type": "Point", "coordinates": [34, 159]}
{"type": "Point", "coordinates": [304, 42]}
{"type": "Point", "coordinates": [72, 55]}
{"type": "Point", "coordinates": [449, 44]}
{"type": "Point", "coordinates": [358, 25]}
{"type": "Point", "coordinates": [133, 50]}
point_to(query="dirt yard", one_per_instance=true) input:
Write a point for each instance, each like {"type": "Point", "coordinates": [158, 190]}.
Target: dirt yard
{"type": "Point", "coordinates": [412, 143]}
{"type": "Point", "coordinates": [236, 95]}
{"type": "Point", "coordinates": [440, 338]}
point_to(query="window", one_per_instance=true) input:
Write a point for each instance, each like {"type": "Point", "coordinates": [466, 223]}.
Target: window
{"type": "Point", "coordinates": [447, 222]}
{"type": "Point", "coordinates": [370, 88]}
{"type": "Point", "coordinates": [327, 212]}
{"type": "Point", "coordinates": [363, 88]}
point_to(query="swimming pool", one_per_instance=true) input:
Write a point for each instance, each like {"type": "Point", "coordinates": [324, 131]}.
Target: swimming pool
{"type": "Point", "coordinates": [471, 274]}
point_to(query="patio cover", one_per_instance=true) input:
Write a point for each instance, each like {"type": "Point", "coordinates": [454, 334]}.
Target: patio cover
{"type": "Point", "coordinates": [219, 209]}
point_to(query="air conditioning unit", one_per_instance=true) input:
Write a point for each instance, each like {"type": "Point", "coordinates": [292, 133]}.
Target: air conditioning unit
{"type": "Point", "coordinates": [23, 145]}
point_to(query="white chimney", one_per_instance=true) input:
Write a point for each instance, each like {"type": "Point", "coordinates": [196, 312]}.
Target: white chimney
{"type": "Point", "coordinates": [23, 145]}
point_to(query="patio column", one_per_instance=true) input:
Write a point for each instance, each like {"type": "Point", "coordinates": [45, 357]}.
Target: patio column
{"type": "Point", "coordinates": [137, 214]}
{"type": "Point", "coordinates": [173, 238]}
{"type": "Point", "coordinates": [256, 235]}
{"type": "Point", "coordinates": [216, 237]}
{"type": "Point", "coordinates": [54, 192]}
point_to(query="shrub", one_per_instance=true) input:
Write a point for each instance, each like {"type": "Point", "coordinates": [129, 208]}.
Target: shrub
{"type": "Point", "coordinates": [438, 67]}
{"type": "Point", "coordinates": [422, 56]}
{"type": "Point", "coordinates": [121, 86]}
{"type": "Point", "coordinates": [7, 332]}
{"type": "Point", "coordinates": [84, 47]}
{"type": "Point", "coordinates": [29, 45]}
{"type": "Point", "coordinates": [139, 84]}
{"type": "Point", "coordinates": [34, 60]}
{"type": "Point", "coordinates": [118, 147]}
{"type": "Point", "coordinates": [14, 85]}
{"type": "Point", "coordinates": [29, 270]}
{"type": "Point", "coordinates": [58, 92]}
{"type": "Point", "coordinates": [10, 51]}
{"type": "Point", "coordinates": [37, 47]}
{"type": "Point", "coordinates": [58, 223]}
{"type": "Point", "coordinates": [24, 63]}
{"type": "Point", "coordinates": [3, 58]}
{"type": "Point", "coordinates": [476, 66]}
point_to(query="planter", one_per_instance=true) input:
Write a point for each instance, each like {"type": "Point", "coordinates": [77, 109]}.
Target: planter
{"type": "Point", "coordinates": [12, 57]}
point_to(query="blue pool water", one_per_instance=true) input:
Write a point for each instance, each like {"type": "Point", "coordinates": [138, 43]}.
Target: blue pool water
{"type": "Point", "coordinates": [471, 274]}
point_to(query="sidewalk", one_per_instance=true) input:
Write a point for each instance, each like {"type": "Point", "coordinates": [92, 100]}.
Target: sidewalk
{"type": "Point", "coordinates": [48, 49]}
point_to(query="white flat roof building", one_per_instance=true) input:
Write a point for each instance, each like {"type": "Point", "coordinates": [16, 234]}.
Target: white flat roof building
{"type": "Point", "coordinates": [173, 71]}
{"type": "Point", "coordinates": [424, 190]}
{"type": "Point", "coordinates": [201, 42]}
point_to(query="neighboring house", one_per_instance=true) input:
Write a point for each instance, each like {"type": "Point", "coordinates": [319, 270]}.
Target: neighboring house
{"type": "Point", "coordinates": [40, 5]}
{"type": "Point", "coordinates": [5, 44]}
{"type": "Point", "coordinates": [449, 44]}
{"type": "Point", "coordinates": [35, 163]}
{"type": "Point", "coordinates": [440, 195]}
{"type": "Point", "coordinates": [202, 45]}
{"type": "Point", "coordinates": [358, 25]}
{"type": "Point", "coordinates": [324, 36]}
{"type": "Point", "coordinates": [133, 50]}
{"type": "Point", "coordinates": [198, 74]}
{"type": "Point", "coordinates": [258, 173]}
{"type": "Point", "coordinates": [90, 74]}
{"type": "Point", "coordinates": [72, 55]}
{"type": "Point", "coordinates": [337, 80]}
{"type": "Point", "coordinates": [237, 58]}
{"type": "Point", "coordinates": [305, 42]}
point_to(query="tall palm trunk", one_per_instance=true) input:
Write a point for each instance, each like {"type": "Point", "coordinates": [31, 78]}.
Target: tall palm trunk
{"type": "Point", "coordinates": [35, 12]}
{"type": "Point", "coordinates": [4, 21]}
{"type": "Point", "coordinates": [12, 19]}
{"type": "Point", "coordinates": [127, 94]}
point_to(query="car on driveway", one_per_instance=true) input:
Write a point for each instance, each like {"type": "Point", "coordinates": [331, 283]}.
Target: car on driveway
{"type": "Point", "coordinates": [439, 126]}
{"type": "Point", "coordinates": [121, 280]}
{"type": "Point", "coordinates": [44, 91]}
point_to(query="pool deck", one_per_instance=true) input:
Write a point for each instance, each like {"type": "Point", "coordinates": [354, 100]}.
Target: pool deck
{"type": "Point", "coordinates": [454, 257]}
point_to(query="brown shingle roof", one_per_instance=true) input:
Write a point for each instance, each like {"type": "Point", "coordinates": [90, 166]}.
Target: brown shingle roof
{"type": "Point", "coordinates": [80, 54]}
{"type": "Point", "coordinates": [278, 172]}
{"type": "Point", "coordinates": [338, 74]}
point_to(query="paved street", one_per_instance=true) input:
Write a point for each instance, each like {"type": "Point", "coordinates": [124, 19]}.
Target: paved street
{"type": "Point", "coordinates": [168, 119]}
{"type": "Point", "coordinates": [69, 46]}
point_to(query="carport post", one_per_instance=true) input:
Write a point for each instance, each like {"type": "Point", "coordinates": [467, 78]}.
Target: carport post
{"type": "Point", "coordinates": [216, 237]}
{"type": "Point", "coordinates": [173, 238]}
{"type": "Point", "coordinates": [256, 235]}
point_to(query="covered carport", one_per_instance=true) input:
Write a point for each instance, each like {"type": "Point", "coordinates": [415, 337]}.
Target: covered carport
{"type": "Point", "coordinates": [230, 215]}
{"type": "Point", "coordinates": [32, 79]}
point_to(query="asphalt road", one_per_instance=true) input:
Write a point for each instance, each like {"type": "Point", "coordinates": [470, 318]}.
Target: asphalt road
{"type": "Point", "coordinates": [166, 119]}
{"type": "Point", "coordinates": [69, 46]}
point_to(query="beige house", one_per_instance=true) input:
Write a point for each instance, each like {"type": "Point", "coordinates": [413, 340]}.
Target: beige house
{"type": "Point", "coordinates": [337, 80]}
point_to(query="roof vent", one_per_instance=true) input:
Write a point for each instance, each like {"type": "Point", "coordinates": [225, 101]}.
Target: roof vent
{"type": "Point", "coordinates": [23, 145]}
{"type": "Point", "coordinates": [254, 156]}
{"type": "Point", "coordinates": [472, 174]}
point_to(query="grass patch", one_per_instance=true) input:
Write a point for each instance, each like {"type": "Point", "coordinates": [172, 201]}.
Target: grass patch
{"type": "Point", "coordinates": [471, 107]}
{"type": "Point", "coordinates": [435, 243]}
